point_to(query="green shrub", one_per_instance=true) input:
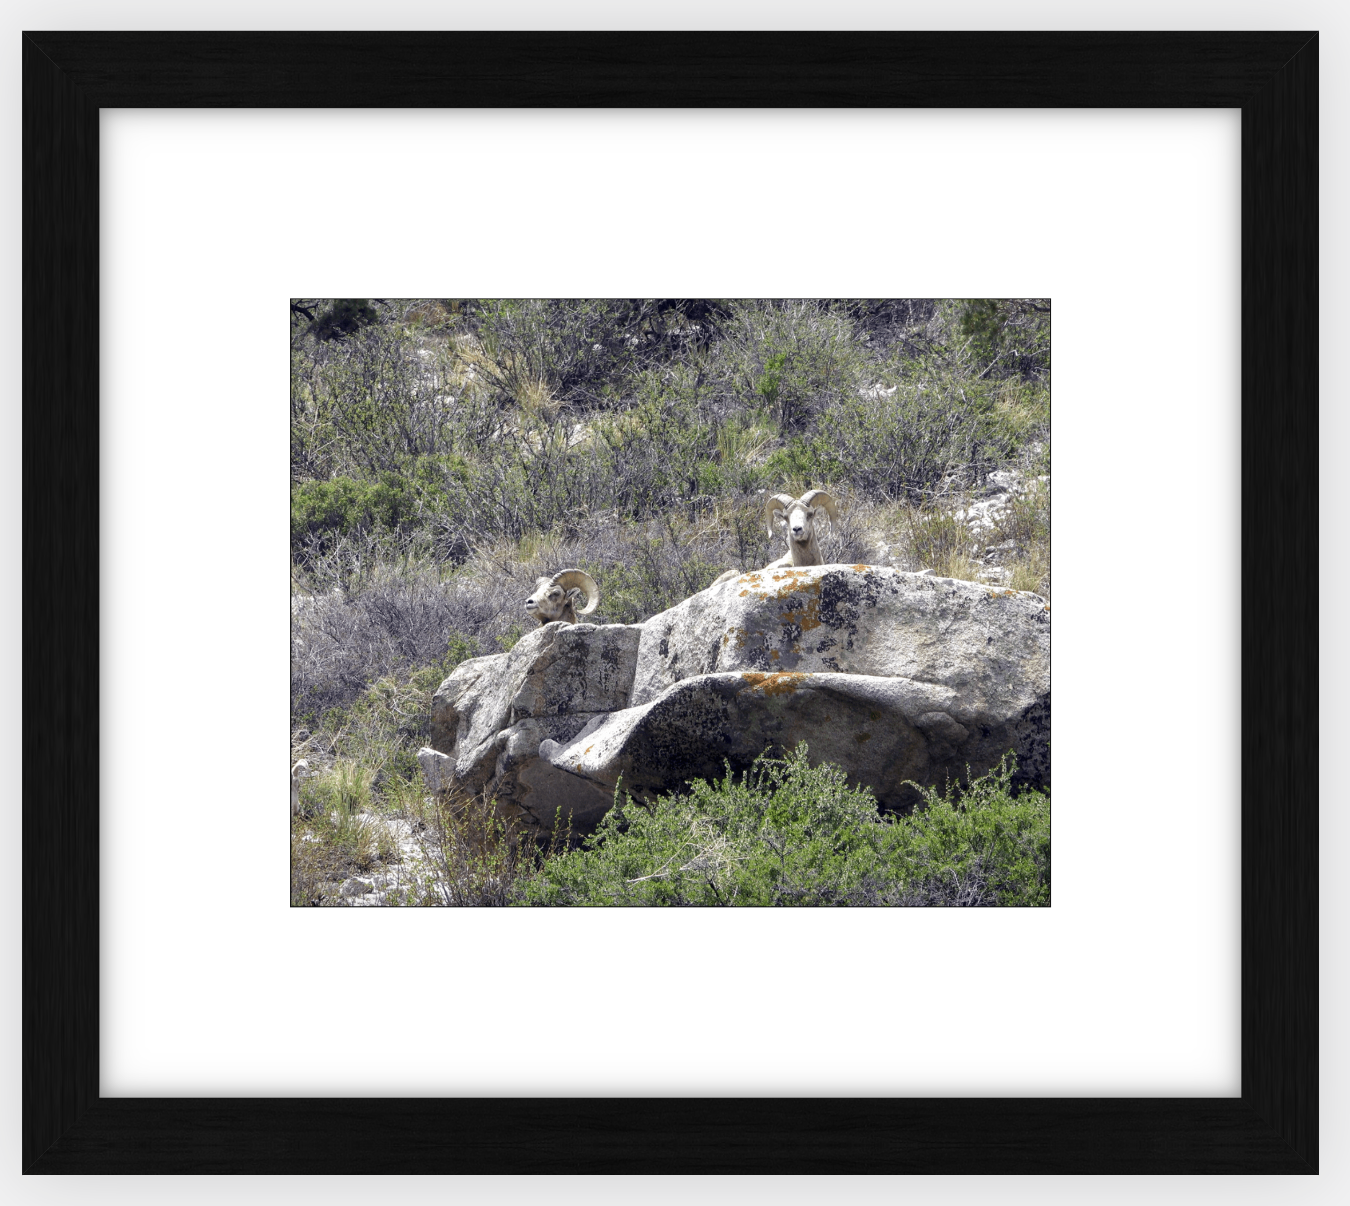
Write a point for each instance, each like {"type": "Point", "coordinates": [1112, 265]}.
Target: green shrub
{"type": "Point", "coordinates": [792, 357]}
{"type": "Point", "coordinates": [801, 464]}
{"type": "Point", "coordinates": [788, 833]}
{"type": "Point", "coordinates": [981, 839]}
{"type": "Point", "coordinates": [344, 504]}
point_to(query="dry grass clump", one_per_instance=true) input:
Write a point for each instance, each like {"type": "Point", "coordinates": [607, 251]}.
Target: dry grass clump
{"type": "Point", "coordinates": [336, 835]}
{"type": "Point", "coordinates": [1025, 522]}
{"type": "Point", "coordinates": [937, 540]}
{"type": "Point", "coordinates": [472, 852]}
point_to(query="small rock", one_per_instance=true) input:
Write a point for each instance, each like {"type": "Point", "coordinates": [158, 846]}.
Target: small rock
{"type": "Point", "coordinates": [436, 768]}
{"type": "Point", "coordinates": [357, 887]}
{"type": "Point", "coordinates": [298, 772]}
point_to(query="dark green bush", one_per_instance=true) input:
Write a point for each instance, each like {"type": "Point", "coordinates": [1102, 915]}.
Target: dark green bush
{"type": "Point", "coordinates": [788, 833]}
{"type": "Point", "coordinates": [345, 316]}
{"type": "Point", "coordinates": [345, 504]}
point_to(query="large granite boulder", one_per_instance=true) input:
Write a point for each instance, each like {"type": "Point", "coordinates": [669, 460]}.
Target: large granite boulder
{"type": "Point", "coordinates": [896, 677]}
{"type": "Point", "coordinates": [489, 717]}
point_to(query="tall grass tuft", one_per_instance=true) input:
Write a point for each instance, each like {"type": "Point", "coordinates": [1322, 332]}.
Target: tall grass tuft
{"type": "Point", "coordinates": [471, 854]}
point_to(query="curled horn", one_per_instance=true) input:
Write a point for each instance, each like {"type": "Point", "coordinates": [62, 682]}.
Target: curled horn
{"type": "Point", "coordinates": [570, 578]}
{"type": "Point", "coordinates": [826, 501]}
{"type": "Point", "coordinates": [775, 500]}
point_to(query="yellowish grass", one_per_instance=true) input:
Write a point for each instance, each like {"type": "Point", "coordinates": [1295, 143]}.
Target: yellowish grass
{"type": "Point", "coordinates": [958, 565]}
{"type": "Point", "coordinates": [1032, 573]}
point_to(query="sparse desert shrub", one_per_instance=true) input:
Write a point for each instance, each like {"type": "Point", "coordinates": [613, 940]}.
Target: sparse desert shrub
{"type": "Point", "coordinates": [335, 834]}
{"type": "Point", "coordinates": [341, 643]}
{"type": "Point", "coordinates": [900, 439]}
{"type": "Point", "coordinates": [381, 724]}
{"type": "Point", "coordinates": [794, 357]}
{"type": "Point", "coordinates": [471, 854]}
{"type": "Point", "coordinates": [1026, 522]}
{"type": "Point", "coordinates": [937, 540]}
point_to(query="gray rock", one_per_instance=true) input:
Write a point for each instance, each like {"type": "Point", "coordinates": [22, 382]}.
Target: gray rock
{"type": "Point", "coordinates": [437, 768]}
{"type": "Point", "coordinates": [991, 646]}
{"type": "Point", "coordinates": [894, 676]}
{"type": "Point", "coordinates": [357, 887]}
{"type": "Point", "coordinates": [553, 675]}
{"type": "Point", "coordinates": [882, 731]}
{"type": "Point", "coordinates": [299, 772]}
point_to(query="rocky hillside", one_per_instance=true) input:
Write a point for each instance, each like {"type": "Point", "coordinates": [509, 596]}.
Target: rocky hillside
{"type": "Point", "coordinates": [448, 453]}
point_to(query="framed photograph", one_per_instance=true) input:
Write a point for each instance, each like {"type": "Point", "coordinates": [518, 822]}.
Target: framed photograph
{"type": "Point", "coordinates": [69, 168]}
{"type": "Point", "coordinates": [511, 526]}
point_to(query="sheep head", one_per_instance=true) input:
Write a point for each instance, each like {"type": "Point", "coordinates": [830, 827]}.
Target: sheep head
{"type": "Point", "coordinates": [797, 513]}
{"type": "Point", "coordinates": [557, 598]}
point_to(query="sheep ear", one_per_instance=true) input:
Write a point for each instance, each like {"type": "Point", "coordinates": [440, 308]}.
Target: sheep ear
{"type": "Point", "coordinates": [574, 594]}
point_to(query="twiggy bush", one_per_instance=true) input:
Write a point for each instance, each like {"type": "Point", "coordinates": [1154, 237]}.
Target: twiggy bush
{"type": "Point", "coordinates": [470, 854]}
{"type": "Point", "coordinates": [788, 833]}
{"type": "Point", "coordinates": [937, 540]}
{"type": "Point", "coordinates": [1025, 520]}
{"type": "Point", "coordinates": [900, 439]}
{"type": "Point", "coordinates": [794, 357]}
{"type": "Point", "coordinates": [395, 623]}
{"type": "Point", "coordinates": [376, 734]}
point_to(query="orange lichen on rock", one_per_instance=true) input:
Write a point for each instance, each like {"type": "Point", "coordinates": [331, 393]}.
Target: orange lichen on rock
{"type": "Point", "coordinates": [806, 618]}
{"type": "Point", "coordinates": [794, 581]}
{"type": "Point", "coordinates": [782, 682]}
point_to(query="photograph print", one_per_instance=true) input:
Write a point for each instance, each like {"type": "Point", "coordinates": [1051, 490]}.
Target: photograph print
{"type": "Point", "coordinates": [670, 601]}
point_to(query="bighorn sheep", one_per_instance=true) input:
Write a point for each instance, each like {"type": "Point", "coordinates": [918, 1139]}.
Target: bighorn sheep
{"type": "Point", "coordinates": [298, 772]}
{"type": "Point", "coordinates": [798, 514]}
{"type": "Point", "coordinates": [556, 598]}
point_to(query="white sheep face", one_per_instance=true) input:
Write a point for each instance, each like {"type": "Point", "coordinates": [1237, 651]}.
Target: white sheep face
{"type": "Point", "coordinates": [798, 520]}
{"type": "Point", "coordinates": [549, 601]}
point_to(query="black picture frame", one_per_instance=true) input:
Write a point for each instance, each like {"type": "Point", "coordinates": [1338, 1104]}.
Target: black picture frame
{"type": "Point", "coordinates": [1270, 1128]}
